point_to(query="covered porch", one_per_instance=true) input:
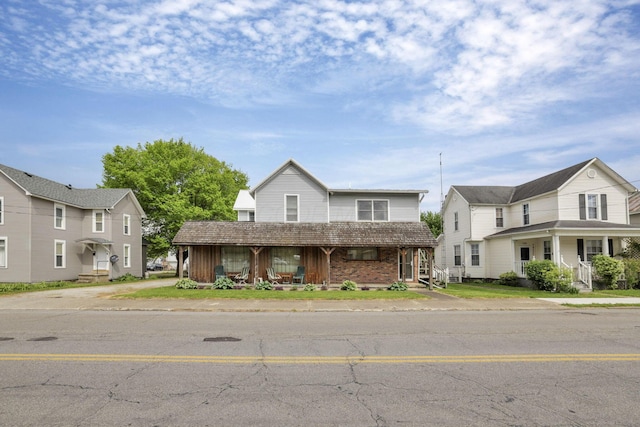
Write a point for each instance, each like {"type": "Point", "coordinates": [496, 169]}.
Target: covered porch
{"type": "Point", "coordinates": [372, 253]}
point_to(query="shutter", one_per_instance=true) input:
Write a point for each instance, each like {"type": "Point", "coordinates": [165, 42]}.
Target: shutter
{"type": "Point", "coordinates": [603, 207]}
{"type": "Point", "coordinates": [581, 249]}
{"type": "Point", "coordinates": [583, 206]}
{"type": "Point", "coordinates": [610, 247]}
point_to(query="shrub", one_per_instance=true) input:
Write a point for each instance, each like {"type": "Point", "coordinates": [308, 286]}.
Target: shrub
{"type": "Point", "coordinates": [223, 283]}
{"type": "Point", "coordinates": [608, 269]}
{"type": "Point", "coordinates": [126, 278]}
{"type": "Point", "coordinates": [187, 284]}
{"type": "Point", "coordinates": [309, 287]}
{"type": "Point", "coordinates": [509, 278]}
{"type": "Point", "coordinates": [398, 286]}
{"type": "Point", "coordinates": [632, 272]}
{"type": "Point", "coordinates": [348, 285]}
{"type": "Point", "coordinates": [537, 273]}
{"type": "Point", "coordinates": [264, 286]}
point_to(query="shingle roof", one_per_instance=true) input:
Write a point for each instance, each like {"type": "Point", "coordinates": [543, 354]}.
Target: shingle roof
{"type": "Point", "coordinates": [51, 190]}
{"type": "Point", "coordinates": [355, 234]}
{"type": "Point", "coordinates": [501, 195]}
{"type": "Point", "coordinates": [567, 224]}
{"type": "Point", "coordinates": [634, 203]}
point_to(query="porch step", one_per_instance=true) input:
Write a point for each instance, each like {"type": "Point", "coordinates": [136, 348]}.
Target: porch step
{"type": "Point", "coordinates": [95, 277]}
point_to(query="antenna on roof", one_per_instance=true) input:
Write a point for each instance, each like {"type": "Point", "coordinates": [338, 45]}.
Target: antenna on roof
{"type": "Point", "coordinates": [69, 186]}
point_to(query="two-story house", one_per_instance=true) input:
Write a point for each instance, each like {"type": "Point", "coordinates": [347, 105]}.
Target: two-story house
{"type": "Point", "coordinates": [292, 219]}
{"type": "Point", "coordinates": [567, 217]}
{"type": "Point", "coordinates": [51, 231]}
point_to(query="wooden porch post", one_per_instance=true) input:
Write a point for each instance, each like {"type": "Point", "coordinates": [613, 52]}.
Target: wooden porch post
{"type": "Point", "coordinates": [328, 252]}
{"type": "Point", "coordinates": [180, 262]}
{"type": "Point", "coordinates": [255, 250]}
{"type": "Point", "coordinates": [403, 263]}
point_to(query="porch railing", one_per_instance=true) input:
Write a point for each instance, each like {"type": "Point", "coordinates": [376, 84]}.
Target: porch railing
{"type": "Point", "coordinates": [584, 274]}
{"type": "Point", "coordinates": [441, 275]}
{"type": "Point", "coordinates": [521, 268]}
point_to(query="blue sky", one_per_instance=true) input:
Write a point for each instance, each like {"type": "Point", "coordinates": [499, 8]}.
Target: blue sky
{"type": "Point", "coordinates": [362, 94]}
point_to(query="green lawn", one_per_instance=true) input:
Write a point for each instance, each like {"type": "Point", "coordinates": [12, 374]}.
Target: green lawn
{"type": "Point", "coordinates": [490, 290]}
{"type": "Point", "coordinates": [172, 292]}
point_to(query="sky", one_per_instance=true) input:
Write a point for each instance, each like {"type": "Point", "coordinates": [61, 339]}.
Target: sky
{"type": "Point", "coordinates": [389, 94]}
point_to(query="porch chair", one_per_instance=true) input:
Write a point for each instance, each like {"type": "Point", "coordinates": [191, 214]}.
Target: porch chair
{"type": "Point", "coordinates": [241, 278]}
{"type": "Point", "coordinates": [219, 271]}
{"type": "Point", "coordinates": [272, 276]}
{"type": "Point", "coordinates": [299, 275]}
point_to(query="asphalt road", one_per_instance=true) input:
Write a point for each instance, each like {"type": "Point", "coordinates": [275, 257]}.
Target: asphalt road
{"type": "Point", "coordinates": [568, 367]}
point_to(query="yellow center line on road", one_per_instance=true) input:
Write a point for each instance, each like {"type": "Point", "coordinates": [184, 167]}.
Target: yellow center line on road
{"type": "Point", "coordinates": [321, 360]}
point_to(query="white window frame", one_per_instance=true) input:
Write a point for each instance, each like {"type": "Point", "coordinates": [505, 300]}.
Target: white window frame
{"type": "Point", "coordinates": [547, 250]}
{"type": "Point", "coordinates": [1, 210]}
{"type": "Point", "coordinates": [475, 254]}
{"type": "Point", "coordinates": [499, 217]}
{"type": "Point", "coordinates": [126, 224]}
{"type": "Point", "coordinates": [593, 206]}
{"type": "Point", "coordinates": [62, 217]}
{"type": "Point", "coordinates": [126, 254]}
{"type": "Point", "coordinates": [287, 208]}
{"type": "Point", "coordinates": [95, 221]}
{"type": "Point", "coordinates": [526, 214]}
{"type": "Point", "coordinates": [371, 209]}
{"type": "Point", "coordinates": [457, 255]}
{"type": "Point", "coordinates": [456, 221]}
{"type": "Point", "coordinates": [4, 254]}
{"type": "Point", "coordinates": [63, 255]}
{"type": "Point", "coordinates": [592, 247]}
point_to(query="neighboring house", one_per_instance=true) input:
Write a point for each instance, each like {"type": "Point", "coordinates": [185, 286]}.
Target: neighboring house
{"type": "Point", "coordinates": [51, 231]}
{"type": "Point", "coordinates": [567, 217]}
{"type": "Point", "coordinates": [634, 208]}
{"type": "Point", "coordinates": [292, 219]}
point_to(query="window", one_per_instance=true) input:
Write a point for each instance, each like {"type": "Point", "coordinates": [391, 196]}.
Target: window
{"type": "Point", "coordinates": [3, 252]}
{"type": "Point", "coordinates": [126, 225]}
{"type": "Point", "coordinates": [594, 247]}
{"type": "Point", "coordinates": [457, 255]}
{"type": "Point", "coordinates": [234, 258]}
{"type": "Point", "coordinates": [455, 221]}
{"type": "Point", "coordinates": [291, 208]}
{"type": "Point", "coordinates": [126, 251]}
{"type": "Point", "coordinates": [98, 221]}
{"type": "Point", "coordinates": [252, 216]}
{"type": "Point", "coordinates": [285, 260]}
{"type": "Point", "coordinates": [592, 206]}
{"type": "Point", "coordinates": [475, 254]}
{"type": "Point", "coordinates": [60, 252]}
{"type": "Point", "coordinates": [1, 210]}
{"type": "Point", "coordinates": [362, 254]}
{"type": "Point", "coordinates": [547, 249]}
{"type": "Point", "coordinates": [373, 210]}
{"type": "Point", "coordinates": [525, 214]}
{"type": "Point", "coordinates": [499, 218]}
{"type": "Point", "coordinates": [59, 216]}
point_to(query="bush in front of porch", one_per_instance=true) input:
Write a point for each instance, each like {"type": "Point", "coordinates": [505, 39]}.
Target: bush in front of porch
{"type": "Point", "coordinates": [608, 270]}
{"type": "Point", "coordinates": [547, 276]}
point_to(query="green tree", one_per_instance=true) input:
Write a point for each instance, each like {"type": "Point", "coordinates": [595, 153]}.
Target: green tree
{"type": "Point", "coordinates": [434, 221]}
{"type": "Point", "coordinates": [174, 181]}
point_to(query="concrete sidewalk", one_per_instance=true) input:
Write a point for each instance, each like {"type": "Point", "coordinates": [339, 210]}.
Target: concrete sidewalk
{"type": "Point", "coordinates": [105, 298]}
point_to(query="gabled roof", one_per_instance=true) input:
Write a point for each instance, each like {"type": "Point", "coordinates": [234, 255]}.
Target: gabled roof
{"type": "Point", "coordinates": [634, 203]}
{"type": "Point", "coordinates": [244, 201]}
{"type": "Point", "coordinates": [97, 198]}
{"type": "Point", "coordinates": [500, 195]}
{"type": "Point", "coordinates": [286, 165]}
{"type": "Point", "coordinates": [341, 234]}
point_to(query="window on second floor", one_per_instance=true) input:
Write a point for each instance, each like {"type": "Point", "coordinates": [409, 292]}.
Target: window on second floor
{"type": "Point", "coordinates": [291, 208]}
{"type": "Point", "coordinates": [373, 210]}
{"type": "Point", "coordinates": [126, 224]}
{"type": "Point", "coordinates": [525, 214]}
{"type": "Point", "coordinates": [499, 218]}
{"type": "Point", "coordinates": [457, 255]}
{"type": "Point", "coordinates": [1, 210]}
{"type": "Point", "coordinates": [60, 254]}
{"type": "Point", "coordinates": [593, 206]}
{"type": "Point", "coordinates": [98, 222]}
{"type": "Point", "coordinates": [455, 221]}
{"type": "Point", "coordinates": [59, 217]}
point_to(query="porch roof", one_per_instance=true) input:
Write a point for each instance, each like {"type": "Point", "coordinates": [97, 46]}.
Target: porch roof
{"type": "Point", "coordinates": [350, 234]}
{"type": "Point", "coordinates": [604, 227]}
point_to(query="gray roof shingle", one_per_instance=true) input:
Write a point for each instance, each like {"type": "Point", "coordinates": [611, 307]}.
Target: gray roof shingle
{"type": "Point", "coordinates": [350, 234]}
{"type": "Point", "coordinates": [81, 197]}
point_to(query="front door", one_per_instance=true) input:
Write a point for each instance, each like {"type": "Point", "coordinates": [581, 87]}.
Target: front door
{"type": "Point", "coordinates": [101, 258]}
{"type": "Point", "coordinates": [525, 257]}
{"type": "Point", "coordinates": [405, 268]}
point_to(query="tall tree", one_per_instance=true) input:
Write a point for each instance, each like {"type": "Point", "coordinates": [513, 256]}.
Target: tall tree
{"type": "Point", "coordinates": [434, 221]}
{"type": "Point", "coordinates": [174, 181]}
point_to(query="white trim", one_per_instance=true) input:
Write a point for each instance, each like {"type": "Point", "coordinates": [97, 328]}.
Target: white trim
{"type": "Point", "coordinates": [94, 223]}
{"type": "Point", "coordinates": [63, 243]}
{"type": "Point", "coordinates": [373, 210]}
{"type": "Point", "coordinates": [286, 213]}
{"type": "Point", "coordinates": [63, 221]}
{"type": "Point", "coordinates": [1, 210]}
{"type": "Point", "coordinates": [126, 224]}
{"type": "Point", "coordinates": [126, 254]}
